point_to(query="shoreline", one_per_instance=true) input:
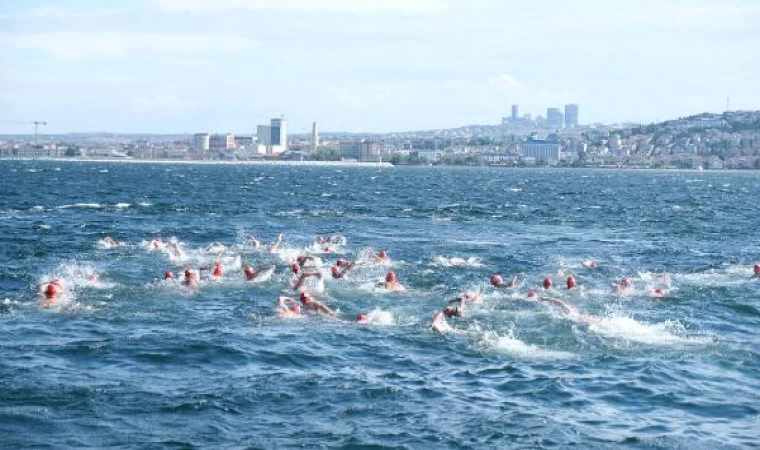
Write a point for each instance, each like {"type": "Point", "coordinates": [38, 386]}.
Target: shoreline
{"type": "Point", "coordinates": [209, 163]}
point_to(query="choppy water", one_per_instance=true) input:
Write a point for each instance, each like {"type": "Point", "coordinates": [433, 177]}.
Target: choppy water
{"type": "Point", "coordinates": [132, 362]}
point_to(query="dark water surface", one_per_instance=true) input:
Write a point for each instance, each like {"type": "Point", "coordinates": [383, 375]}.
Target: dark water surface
{"type": "Point", "coordinates": [132, 362]}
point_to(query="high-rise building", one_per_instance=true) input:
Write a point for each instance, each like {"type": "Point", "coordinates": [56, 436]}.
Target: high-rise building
{"type": "Point", "coordinates": [264, 134]}
{"type": "Point", "coordinates": [279, 134]}
{"type": "Point", "coordinates": [554, 118]}
{"type": "Point", "coordinates": [547, 150]}
{"type": "Point", "coordinates": [515, 113]}
{"type": "Point", "coordinates": [571, 115]}
{"type": "Point", "coordinates": [314, 137]}
{"type": "Point", "coordinates": [220, 142]}
{"type": "Point", "coordinates": [201, 142]}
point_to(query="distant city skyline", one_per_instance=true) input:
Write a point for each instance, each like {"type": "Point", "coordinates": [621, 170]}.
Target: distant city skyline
{"type": "Point", "coordinates": [189, 66]}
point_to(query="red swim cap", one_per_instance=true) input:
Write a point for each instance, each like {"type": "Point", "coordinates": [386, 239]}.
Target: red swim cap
{"type": "Point", "coordinates": [547, 283]}
{"type": "Point", "coordinates": [336, 272]}
{"type": "Point", "coordinates": [51, 291]}
{"type": "Point", "coordinates": [382, 254]}
{"type": "Point", "coordinates": [497, 280]}
{"type": "Point", "coordinates": [390, 277]}
{"type": "Point", "coordinates": [249, 272]}
{"type": "Point", "coordinates": [168, 275]}
{"type": "Point", "coordinates": [295, 268]}
{"type": "Point", "coordinates": [361, 318]}
{"type": "Point", "coordinates": [570, 282]}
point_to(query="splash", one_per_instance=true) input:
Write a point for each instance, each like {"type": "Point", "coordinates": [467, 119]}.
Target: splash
{"type": "Point", "coordinates": [509, 344]}
{"type": "Point", "coordinates": [628, 329]}
{"type": "Point", "coordinates": [456, 261]}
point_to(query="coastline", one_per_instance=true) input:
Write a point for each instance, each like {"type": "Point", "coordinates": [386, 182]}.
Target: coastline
{"type": "Point", "coordinates": [210, 163]}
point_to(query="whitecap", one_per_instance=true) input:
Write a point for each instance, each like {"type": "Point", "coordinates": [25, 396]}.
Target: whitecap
{"type": "Point", "coordinates": [509, 344]}
{"type": "Point", "coordinates": [456, 261]}
{"type": "Point", "coordinates": [122, 205]}
{"type": "Point", "coordinates": [81, 205]}
{"type": "Point", "coordinates": [627, 328]}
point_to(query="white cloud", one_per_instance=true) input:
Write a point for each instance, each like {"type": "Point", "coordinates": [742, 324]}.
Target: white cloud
{"type": "Point", "coordinates": [308, 6]}
{"type": "Point", "coordinates": [79, 45]}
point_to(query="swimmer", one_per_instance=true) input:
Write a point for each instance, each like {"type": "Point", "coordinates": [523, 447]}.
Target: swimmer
{"type": "Point", "coordinates": [571, 312]}
{"type": "Point", "coordinates": [391, 283]}
{"type": "Point", "coordinates": [252, 272]}
{"type": "Point", "coordinates": [471, 296]}
{"type": "Point", "coordinates": [439, 324]}
{"type": "Point", "coordinates": [381, 256]}
{"type": "Point", "coordinates": [275, 246]}
{"type": "Point", "coordinates": [623, 285]}
{"type": "Point", "coordinates": [252, 241]}
{"type": "Point", "coordinates": [455, 311]}
{"type": "Point", "coordinates": [215, 247]}
{"type": "Point", "coordinates": [111, 242]}
{"type": "Point", "coordinates": [51, 296]}
{"type": "Point", "coordinates": [218, 271]}
{"type": "Point", "coordinates": [658, 293]}
{"type": "Point", "coordinates": [288, 307]}
{"type": "Point", "coordinates": [191, 278]}
{"type": "Point", "coordinates": [156, 243]}
{"type": "Point", "coordinates": [168, 275]}
{"type": "Point", "coordinates": [336, 272]}
{"type": "Point", "coordinates": [299, 285]}
{"type": "Point", "coordinates": [532, 293]}
{"type": "Point", "coordinates": [303, 259]}
{"type": "Point", "coordinates": [547, 284]}
{"type": "Point", "coordinates": [756, 273]}
{"type": "Point", "coordinates": [362, 319]}
{"type": "Point", "coordinates": [312, 304]}
{"type": "Point", "coordinates": [497, 280]}
{"type": "Point", "coordinates": [571, 282]}
{"type": "Point", "coordinates": [591, 264]}
{"type": "Point", "coordinates": [337, 240]}
{"type": "Point", "coordinates": [55, 281]}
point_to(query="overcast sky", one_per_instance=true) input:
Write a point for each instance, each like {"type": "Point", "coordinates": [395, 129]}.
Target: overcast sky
{"type": "Point", "coordinates": [166, 66]}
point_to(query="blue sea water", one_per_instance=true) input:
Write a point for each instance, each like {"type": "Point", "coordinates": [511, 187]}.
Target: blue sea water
{"type": "Point", "coordinates": [129, 361]}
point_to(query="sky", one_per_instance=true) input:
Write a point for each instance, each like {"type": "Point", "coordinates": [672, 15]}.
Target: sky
{"type": "Point", "coordinates": [185, 66]}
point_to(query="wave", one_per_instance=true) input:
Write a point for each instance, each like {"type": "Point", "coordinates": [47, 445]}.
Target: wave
{"type": "Point", "coordinates": [628, 329]}
{"type": "Point", "coordinates": [509, 344]}
{"type": "Point", "coordinates": [82, 205]}
{"type": "Point", "coordinates": [456, 261]}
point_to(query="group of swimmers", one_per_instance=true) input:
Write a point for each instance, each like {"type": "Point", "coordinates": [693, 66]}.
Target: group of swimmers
{"type": "Point", "coordinates": [308, 266]}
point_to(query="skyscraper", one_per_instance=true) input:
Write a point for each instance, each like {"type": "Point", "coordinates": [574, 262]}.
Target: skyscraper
{"type": "Point", "coordinates": [571, 115]}
{"type": "Point", "coordinates": [278, 134]}
{"type": "Point", "coordinates": [515, 112]}
{"type": "Point", "coordinates": [314, 137]}
{"type": "Point", "coordinates": [554, 118]}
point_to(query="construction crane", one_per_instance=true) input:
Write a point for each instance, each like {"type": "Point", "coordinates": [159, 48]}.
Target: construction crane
{"type": "Point", "coordinates": [36, 124]}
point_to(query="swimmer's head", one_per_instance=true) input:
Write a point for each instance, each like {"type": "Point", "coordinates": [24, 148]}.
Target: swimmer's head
{"type": "Point", "coordinates": [497, 280]}
{"type": "Point", "coordinates": [189, 273]}
{"type": "Point", "coordinates": [547, 283]}
{"type": "Point", "coordinates": [51, 291]}
{"type": "Point", "coordinates": [335, 270]}
{"type": "Point", "coordinates": [390, 277]}
{"type": "Point", "coordinates": [168, 275]}
{"type": "Point", "coordinates": [571, 282]}
{"type": "Point", "coordinates": [757, 268]}
{"type": "Point", "coordinates": [450, 311]}
{"type": "Point", "coordinates": [361, 318]}
{"type": "Point", "coordinates": [295, 268]}
{"type": "Point", "coordinates": [382, 254]}
{"type": "Point", "coordinates": [250, 273]}
{"type": "Point", "coordinates": [625, 282]}
{"type": "Point", "coordinates": [531, 293]}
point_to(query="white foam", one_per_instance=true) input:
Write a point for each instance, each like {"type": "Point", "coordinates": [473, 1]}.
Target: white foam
{"type": "Point", "coordinates": [380, 317]}
{"type": "Point", "coordinates": [82, 205]}
{"type": "Point", "coordinates": [665, 333]}
{"type": "Point", "coordinates": [122, 205]}
{"type": "Point", "coordinates": [456, 261]}
{"type": "Point", "coordinates": [511, 345]}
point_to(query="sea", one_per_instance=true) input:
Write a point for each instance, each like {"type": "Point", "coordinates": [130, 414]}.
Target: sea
{"type": "Point", "coordinates": [125, 359]}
